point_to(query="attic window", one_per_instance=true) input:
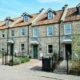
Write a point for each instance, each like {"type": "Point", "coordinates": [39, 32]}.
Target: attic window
{"type": "Point", "coordinates": [7, 22]}
{"type": "Point", "coordinates": [50, 15]}
{"type": "Point", "coordinates": [78, 10]}
{"type": "Point", "coordinates": [26, 18]}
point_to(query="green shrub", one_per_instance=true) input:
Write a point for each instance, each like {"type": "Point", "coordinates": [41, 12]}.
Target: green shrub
{"type": "Point", "coordinates": [24, 59]}
{"type": "Point", "coordinates": [0, 55]}
{"type": "Point", "coordinates": [75, 68]}
{"type": "Point", "coordinates": [27, 59]}
{"type": "Point", "coordinates": [15, 61]}
{"type": "Point", "coordinates": [18, 60]}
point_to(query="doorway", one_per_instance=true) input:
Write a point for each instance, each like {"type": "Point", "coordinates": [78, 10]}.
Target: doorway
{"type": "Point", "coordinates": [11, 49]}
{"type": "Point", "coordinates": [35, 51]}
{"type": "Point", "coordinates": [68, 51]}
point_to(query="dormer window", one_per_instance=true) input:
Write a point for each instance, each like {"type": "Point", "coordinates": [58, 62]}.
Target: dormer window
{"type": "Point", "coordinates": [78, 8]}
{"type": "Point", "coordinates": [7, 22]}
{"type": "Point", "coordinates": [50, 15]}
{"type": "Point", "coordinates": [26, 18]}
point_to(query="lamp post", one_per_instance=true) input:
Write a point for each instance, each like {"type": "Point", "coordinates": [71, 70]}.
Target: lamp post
{"type": "Point", "coordinates": [2, 56]}
{"type": "Point", "coordinates": [67, 63]}
{"type": "Point", "coordinates": [22, 52]}
{"type": "Point", "coordinates": [12, 58]}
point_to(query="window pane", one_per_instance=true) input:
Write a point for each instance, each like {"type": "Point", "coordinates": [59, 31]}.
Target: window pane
{"type": "Point", "coordinates": [2, 48]}
{"type": "Point", "coordinates": [7, 22]}
{"type": "Point", "coordinates": [22, 47]}
{"type": "Point", "coordinates": [3, 34]}
{"type": "Point", "coordinates": [50, 30]}
{"type": "Point", "coordinates": [25, 18]}
{"type": "Point", "coordinates": [50, 49]}
{"type": "Point", "coordinates": [12, 32]}
{"type": "Point", "coordinates": [50, 15]}
{"type": "Point", "coordinates": [22, 31]}
{"type": "Point", "coordinates": [67, 29]}
{"type": "Point", "coordinates": [35, 32]}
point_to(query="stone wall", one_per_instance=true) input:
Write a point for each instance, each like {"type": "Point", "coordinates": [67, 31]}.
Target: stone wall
{"type": "Point", "coordinates": [75, 29]}
{"type": "Point", "coordinates": [18, 39]}
{"type": "Point", "coordinates": [45, 40]}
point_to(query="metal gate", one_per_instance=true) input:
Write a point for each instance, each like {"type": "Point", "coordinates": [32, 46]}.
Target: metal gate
{"type": "Point", "coordinates": [71, 65]}
{"type": "Point", "coordinates": [5, 58]}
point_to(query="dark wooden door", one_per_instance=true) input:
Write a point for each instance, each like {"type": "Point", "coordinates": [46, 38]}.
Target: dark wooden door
{"type": "Point", "coordinates": [11, 49]}
{"type": "Point", "coordinates": [68, 50]}
{"type": "Point", "coordinates": [35, 51]}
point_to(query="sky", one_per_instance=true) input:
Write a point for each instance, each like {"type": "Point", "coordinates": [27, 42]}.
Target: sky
{"type": "Point", "coordinates": [15, 8]}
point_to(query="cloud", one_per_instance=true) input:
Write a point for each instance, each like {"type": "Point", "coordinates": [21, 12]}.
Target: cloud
{"type": "Point", "coordinates": [47, 1]}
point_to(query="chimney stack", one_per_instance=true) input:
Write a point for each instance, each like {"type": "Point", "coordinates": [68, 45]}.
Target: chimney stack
{"type": "Point", "coordinates": [41, 10]}
{"type": "Point", "coordinates": [65, 6]}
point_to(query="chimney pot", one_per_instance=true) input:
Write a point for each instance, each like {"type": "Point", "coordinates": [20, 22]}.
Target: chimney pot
{"type": "Point", "coordinates": [41, 10]}
{"type": "Point", "coordinates": [65, 6]}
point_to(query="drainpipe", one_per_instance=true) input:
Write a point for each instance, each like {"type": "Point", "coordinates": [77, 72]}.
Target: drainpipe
{"type": "Point", "coordinates": [65, 8]}
{"type": "Point", "coordinates": [28, 40]}
{"type": "Point", "coordinates": [59, 39]}
{"type": "Point", "coordinates": [7, 44]}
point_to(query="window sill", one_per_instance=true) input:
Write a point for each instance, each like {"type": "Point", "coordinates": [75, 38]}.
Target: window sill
{"type": "Point", "coordinates": [49, 35]}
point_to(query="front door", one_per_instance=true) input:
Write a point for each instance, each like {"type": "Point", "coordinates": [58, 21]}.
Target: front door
{"type": "Point", "coordinates": [11, 49]}
{"type": "Point", "coordinates": [35, 51]}
{"type": "Point", "coordinates": [68, 51]}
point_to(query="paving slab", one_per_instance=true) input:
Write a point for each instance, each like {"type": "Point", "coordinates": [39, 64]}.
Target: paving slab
{"type": "Point", "coordinates": [26, 71]}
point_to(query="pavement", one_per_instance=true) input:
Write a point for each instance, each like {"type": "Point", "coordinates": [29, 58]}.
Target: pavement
{"type": "Point", "coordinates": [31, 71]}
{"type": "Point", "coordinates": [62, 68]}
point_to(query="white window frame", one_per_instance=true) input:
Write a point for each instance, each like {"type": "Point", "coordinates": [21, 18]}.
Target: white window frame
{"type": "Point", "coordinates": [50, 15]}
{"type": "Point", "coordinates": [20, 47]}
{"type": "Point", "coordinates": [48, 32]}
{"type": "Point", "coordinates": [65, 29]}
{"type": "Point", "coordinates": [47, 49]}
{"type": "Point", "coordinates": [11, 32]}
{"type": "Point", "coordinates": [79, 10]}
{"type": "Point", "coordinates": [24, 17]}
{"type": "Point", "coordinates": [7, 22]}
{"type": "Point", "coordinates": [21, 32]}
{"type": "Point", "coordinates": [34, 30]}
{"type": "Point", "coordinates": [2, 34]}
{"type": "Point", "coordinates": [2, 46]}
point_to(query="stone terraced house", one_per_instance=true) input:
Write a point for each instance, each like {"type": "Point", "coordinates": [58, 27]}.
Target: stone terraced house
{"type": "Point", "coordinates": [41, 33]}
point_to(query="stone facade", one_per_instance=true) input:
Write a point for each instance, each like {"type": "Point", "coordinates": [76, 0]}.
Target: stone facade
{"type": "Point", "coordinates": [45, 40]}
{"type": "Point", "coordinates": [18, 39]}
{"type": "Point", "coordinates": [61, 42]}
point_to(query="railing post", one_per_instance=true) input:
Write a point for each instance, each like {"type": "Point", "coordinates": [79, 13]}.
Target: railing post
{"type": "Point", "coordinates": [67, 64]}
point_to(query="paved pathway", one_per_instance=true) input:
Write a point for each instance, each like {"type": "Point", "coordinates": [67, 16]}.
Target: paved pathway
{"type": "Point", "coordinates": [62, 68]}
{"type": "Point", "coordinates": [26, 71]}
